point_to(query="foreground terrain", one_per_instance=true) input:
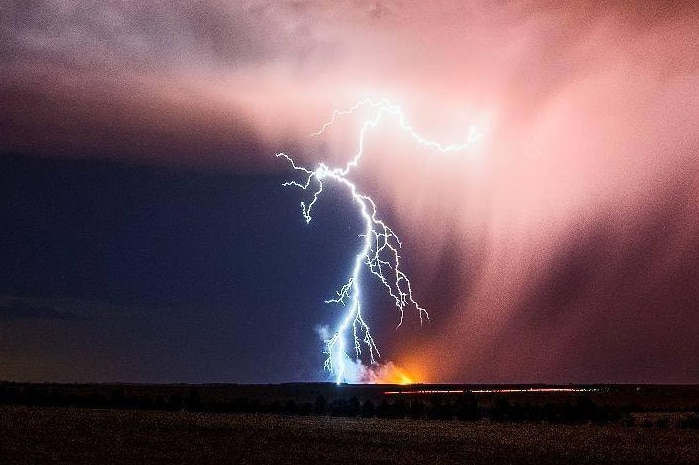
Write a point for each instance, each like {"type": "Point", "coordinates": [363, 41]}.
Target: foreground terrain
{"type": "Point", "coordinates": [41, 435]}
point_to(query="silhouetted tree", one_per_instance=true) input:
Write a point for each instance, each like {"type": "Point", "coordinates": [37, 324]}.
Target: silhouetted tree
{"type": "Point", "coordinates": [567, 414]}
{"type": "Point", "coordinates": [584, 410]}
{"type": "Point", "coordinates": [160, 403]}
{"type": "Point", "coordinates": [467, 408]}
{"type": "Point", "coordinates": [342, 408]}
{"type": "Point", "coordinates": [501, 411]}
{"type": "Point", "coordinates": [275, 407]}
{"type": "Point", "coordinates": [384, 409]}
{"type": "Point", "coordinates": [321, 405]}
{"type": "Point", "coordinates": [417, 409]}
{"type": "Point", "coordinates": [399, 409]}
{"type": "Point", "coordinates": [368, 409]}
{"type": "Point", "coordinates": [146, 402]}
{"type": "Point", "coordinates": [118, 398]}
{"type": "Point", "coordinates": [440, 408]}
{"type": "Point", "coordinates": [353, 407]}
{"type": "Point", "coordinates": [608, 414]}
{"type": "Point", "coordinates": [240, 405]}
{"type": "Point", "coordinates": [55, 398]}
{"type": "Point", "coordinates": [291, 408]}
{"type": "Point", "coordinates": [305, 409]}
{"type": "Point", "coordinates": [95, 400]}
{"type": "Point", "coordinates": [194, 401]}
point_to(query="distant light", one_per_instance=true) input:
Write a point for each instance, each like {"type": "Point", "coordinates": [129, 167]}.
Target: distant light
{"type": "Point", "coordinates": [488, 391]}
{"type": "Point", "coordinates": [427, 391]}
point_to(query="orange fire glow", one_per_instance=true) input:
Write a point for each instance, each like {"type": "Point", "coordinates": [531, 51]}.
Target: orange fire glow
{"type": "Point", "coordinates": [393, 374]}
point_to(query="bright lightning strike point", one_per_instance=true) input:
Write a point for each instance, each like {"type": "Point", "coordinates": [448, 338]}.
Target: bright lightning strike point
{"type": "Point", "coordinates": [379, 251]}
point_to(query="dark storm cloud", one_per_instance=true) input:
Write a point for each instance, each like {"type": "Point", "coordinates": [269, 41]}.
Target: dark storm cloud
{"type": "Point", "coordinates": [150, 82]}
{"type": "Point", "coordinates": [201, 84]}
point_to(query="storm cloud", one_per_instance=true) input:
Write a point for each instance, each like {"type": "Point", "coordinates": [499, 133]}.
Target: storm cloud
{"type": "Point", "coordinates": [563, 247]}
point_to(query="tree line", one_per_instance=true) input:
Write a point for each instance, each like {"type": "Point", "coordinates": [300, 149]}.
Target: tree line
{"type": "Point", "coordinates": [463, 407]}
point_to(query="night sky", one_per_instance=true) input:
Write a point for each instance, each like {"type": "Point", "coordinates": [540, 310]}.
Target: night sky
{"type": "Point", "coordinates": [146, 235]}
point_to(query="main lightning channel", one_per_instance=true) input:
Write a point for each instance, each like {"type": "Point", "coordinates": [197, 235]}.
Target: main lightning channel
{"type": "Point", "coordinates": [380, 245]}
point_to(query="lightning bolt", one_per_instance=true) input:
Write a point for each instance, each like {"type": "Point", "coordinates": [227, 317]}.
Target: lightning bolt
{"type": "Point", "coordinates": [380, 244]}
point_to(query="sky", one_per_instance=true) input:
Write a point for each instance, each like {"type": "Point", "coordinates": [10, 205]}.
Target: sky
{"type": "Point", "coordinates": [147, 236]}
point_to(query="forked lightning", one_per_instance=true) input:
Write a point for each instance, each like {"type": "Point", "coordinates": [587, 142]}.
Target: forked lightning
{"type": "Point", "coordinates": [380, 245]}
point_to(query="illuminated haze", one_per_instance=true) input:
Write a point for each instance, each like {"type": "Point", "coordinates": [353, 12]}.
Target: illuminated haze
{"type": "Point", "coordinates": [562, 248]}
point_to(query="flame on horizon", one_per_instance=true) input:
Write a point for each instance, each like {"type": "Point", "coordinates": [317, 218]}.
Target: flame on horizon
{"type": "Point", "coordinates": [387, 373]}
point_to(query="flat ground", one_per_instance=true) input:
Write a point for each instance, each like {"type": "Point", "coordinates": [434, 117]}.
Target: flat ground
{"type": "Point", "coordinates": [81, 436]}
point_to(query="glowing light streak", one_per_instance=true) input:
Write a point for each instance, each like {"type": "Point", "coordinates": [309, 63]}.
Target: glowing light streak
{"type": "Point", "coordinates": [426, 391]}
{"type": "Point", "coordinates": [489, 391]}
{"type": "Point", "coordinates": [509, 391]}
{"type": "Point", "coordinates": [380, 245]}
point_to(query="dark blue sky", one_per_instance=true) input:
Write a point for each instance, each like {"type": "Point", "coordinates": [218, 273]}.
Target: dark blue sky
{"type": "Point", "coordinates": [204, 276]}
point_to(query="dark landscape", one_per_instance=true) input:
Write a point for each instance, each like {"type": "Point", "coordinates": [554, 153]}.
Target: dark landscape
{"type": "Point", "coordinates": [325, 423]}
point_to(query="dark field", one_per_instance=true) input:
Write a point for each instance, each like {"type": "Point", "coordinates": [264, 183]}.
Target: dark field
{"type": "Point", "coordinates": [41, 435]}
